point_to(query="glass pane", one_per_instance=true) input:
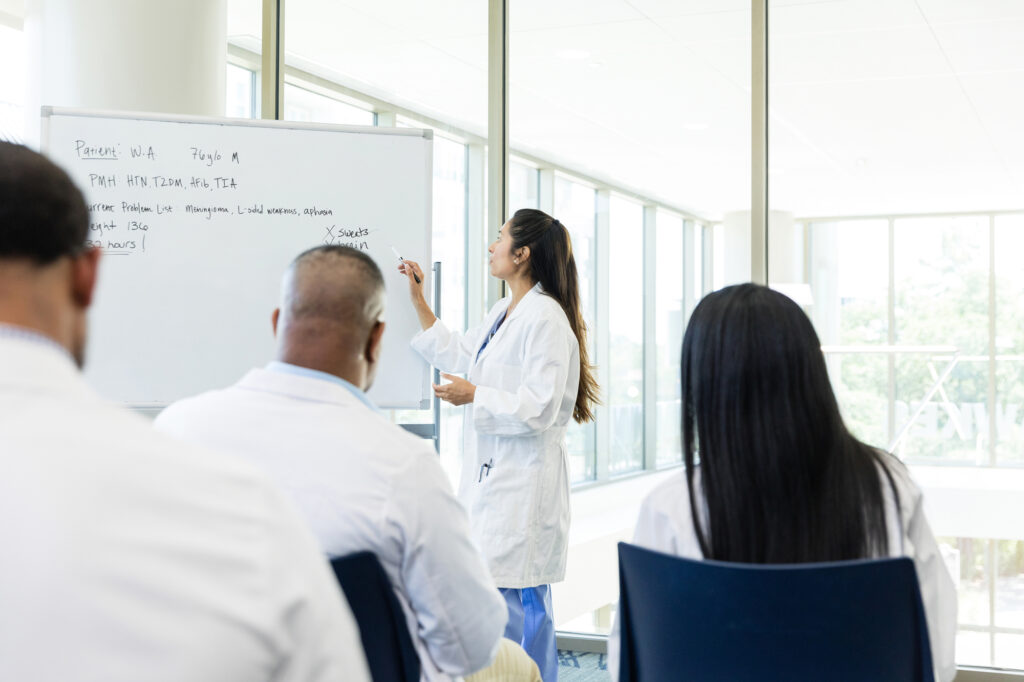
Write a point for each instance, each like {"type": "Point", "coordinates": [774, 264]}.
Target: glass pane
{"type": "Point", "coordinates": [426, 57]}
{"type": "Point", "coordinates": [850, 282]}
{"type": "Point", "coordinates": [862, 91]}
{"type": "Point", "coordinates": [849, 303]}
{"type": "Point", "coordinates": [304, 105]}
{"type": "Point", "coordinates": [245, 25]}
{"type": "Point", "coordinates": [1009, 341]}
{"type": "Point", "coordinates": [668, 336]}
{"type": "Point", "coordinates": [625, 330]}
{"type": "Point", "coordinates": [1010, 584]}
{"type": "Point", "coordinates": [425, 64]}
{"type": "Point", "coordinates": [695, 261]}
{"type": "Point", "coordinates": [449, 226]}
{"type": "Point", "coordinates": [973, 586]}
{"type": "Point", "coordinates": [448, 245]}
{"type": "Point", "coordinates": [522, 187]}
{"type": "Point", "coordinates": [245, 42]}
{"type": "Point", "coordinates": [12, 84]}
{"type": "Point", "coordinates": [718, 255]}
{"type": "Point", "coordinates": [1009, 651]}
{"type": "Point", "coordinates": [575, 205]}
{"type": "Point", "coordinates": [240, 99]}
{"type": "Point", "coordinates": [648, 96]}
{"type": "Point", "coordinates": [942, 276]}
{"type": "Point", "coordinates": [973, 648]}
{"type": "Point", "coordinates": [861, 383]}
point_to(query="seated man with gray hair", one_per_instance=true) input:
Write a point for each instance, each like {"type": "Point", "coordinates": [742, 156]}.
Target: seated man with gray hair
{"type": "Point", "coordinates": [362, 482]}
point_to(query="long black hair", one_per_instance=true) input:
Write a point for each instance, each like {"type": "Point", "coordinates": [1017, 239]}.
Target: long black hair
{"type": "Point", "coordinates": [782, 478]}
{"type": "Point", "coordinates": [553, 265]}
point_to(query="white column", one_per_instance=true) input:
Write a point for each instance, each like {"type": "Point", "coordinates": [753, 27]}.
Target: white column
{"type": "Point", "coordinates": [127, 55]}
{"type": "Point", "coordinates": [759, 218]}
{"type": "Point", "coordinates": [497, 127]}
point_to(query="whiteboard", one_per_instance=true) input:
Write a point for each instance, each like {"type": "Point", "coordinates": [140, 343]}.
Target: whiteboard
{"type": "Point", "coordinates": [198, 219]}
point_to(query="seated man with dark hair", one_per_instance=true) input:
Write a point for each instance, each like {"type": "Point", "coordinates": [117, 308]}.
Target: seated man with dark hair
{"type": "Point", "coordinates": [127, 556]}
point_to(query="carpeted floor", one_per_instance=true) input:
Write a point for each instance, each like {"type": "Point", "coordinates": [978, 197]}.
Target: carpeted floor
{"type": "Point", "coordinates": [574, 666]}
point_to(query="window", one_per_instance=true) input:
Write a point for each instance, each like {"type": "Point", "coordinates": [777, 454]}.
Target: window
{"type": "Point", "coordinates": [305, 105]}
{"type": "Point", "coordinates": [448, 246]}
{"type": "Point", "coordinates": [245, 45]}
{"type": "Point", "coordinates": [522, 187]}
{"type": "Point", "coordinates": [12, 84]}
{"type": "Point", "coordinates": [575, 207]}
{"type": "Point", "coordinates": [1008, 342]}
{"type": "Point", "coordinates": [668, 334]}
{"type": "Point", "coordinates": [241, 92]}
{"type": "Point", "coordinates": [922, 341]}
{"type": "Point", "coordinates": [942, 272]}
{"type": "Point", "coordinates": [912, 269]}
{"type": "Point", "coordinates": [624, 389]}
{"type": "Point", "coordinates": [850, 310]}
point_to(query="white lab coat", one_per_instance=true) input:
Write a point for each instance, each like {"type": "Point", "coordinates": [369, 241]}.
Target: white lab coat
{"type": "Point", "coordinates": [126, 556]}
{"type": "Point", "coordinates": [362, 483]}
{"type": "Point", "coordinates": [665, 525]}
{"type": "Point", "coordinates": [527, 379]}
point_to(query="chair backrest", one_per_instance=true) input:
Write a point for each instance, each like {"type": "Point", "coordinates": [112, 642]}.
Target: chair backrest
{"type": "Point", "coordinates": [709, 620]}
{"type": "Point", "coordinates": [389, 649]}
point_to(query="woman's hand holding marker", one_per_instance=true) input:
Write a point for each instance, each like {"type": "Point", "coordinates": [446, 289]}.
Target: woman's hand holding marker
{"type": "Point", "coordinates": [414, 273]}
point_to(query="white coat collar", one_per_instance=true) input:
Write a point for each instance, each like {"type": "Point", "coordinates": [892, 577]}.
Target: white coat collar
{"type": "Point", "coordinates": [532, 295]}
{"type": "Point", "coordinates": [535, 291]}
{"type": "Point", "coordinates": [299, 387]}
{"type": "Point", "coordinates": [32, 366]}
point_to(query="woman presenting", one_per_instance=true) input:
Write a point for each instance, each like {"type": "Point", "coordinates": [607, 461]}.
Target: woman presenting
{"type": "Point", "coordinates": [527, 375]}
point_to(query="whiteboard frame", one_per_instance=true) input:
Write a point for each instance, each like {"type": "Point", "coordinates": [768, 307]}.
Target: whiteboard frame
{"type": "Point", "coordinates": [48, 111]}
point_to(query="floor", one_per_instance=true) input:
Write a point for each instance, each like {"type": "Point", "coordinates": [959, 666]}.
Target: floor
{"type": "Point", "coordinates": [575, 666]}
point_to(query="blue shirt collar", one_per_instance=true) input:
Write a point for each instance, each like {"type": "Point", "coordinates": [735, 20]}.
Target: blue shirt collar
{"type": "Point", "coordinates": [288, 368]}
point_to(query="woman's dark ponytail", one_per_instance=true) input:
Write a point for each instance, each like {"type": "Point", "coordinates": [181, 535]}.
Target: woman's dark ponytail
{"type": "Point", "coordinates": [553, 265]}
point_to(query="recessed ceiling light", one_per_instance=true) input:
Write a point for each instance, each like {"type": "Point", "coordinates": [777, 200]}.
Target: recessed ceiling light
{"type": "Point", "coordinates": [572, 55]}
{"type": "Point", "coordinates": [596, 65]}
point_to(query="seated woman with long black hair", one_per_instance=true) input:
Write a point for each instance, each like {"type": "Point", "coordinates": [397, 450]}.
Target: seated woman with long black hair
{"type": "Point", "coordinates": [780, 479]}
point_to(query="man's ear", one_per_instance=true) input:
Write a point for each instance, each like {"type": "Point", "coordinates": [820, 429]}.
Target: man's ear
{"type": "Point", "coordinates": [84, 269]}
{"type": "Point", "coordinates": [274, 317]}
{"type": "Point", "coordinates": [373, 343]}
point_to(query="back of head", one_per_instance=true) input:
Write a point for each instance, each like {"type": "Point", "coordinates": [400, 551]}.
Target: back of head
{"type": "Point", "coordinates": [43, 215]}
{"type": "Point", "coordinates": [783, 479]}
{"type": "Point", "coordinates": [47, 271]}
{"type": "Point", "coordinates": [553, 265]}
{"type": "Point", "coordinates": [332, 299]}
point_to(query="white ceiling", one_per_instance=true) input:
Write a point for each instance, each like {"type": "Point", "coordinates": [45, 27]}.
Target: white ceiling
{"type": "Point", "coordinates": [876, 106]}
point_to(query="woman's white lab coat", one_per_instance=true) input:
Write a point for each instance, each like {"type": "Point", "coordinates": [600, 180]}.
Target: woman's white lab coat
{"type": "Point", "coordinates": [665, 524]}
{"type": "Point", "coordinates": [515, 472]}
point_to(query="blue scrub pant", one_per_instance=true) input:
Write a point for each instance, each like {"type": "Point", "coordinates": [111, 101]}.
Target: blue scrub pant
{"type": "Point", "coordinates": [530, 623]}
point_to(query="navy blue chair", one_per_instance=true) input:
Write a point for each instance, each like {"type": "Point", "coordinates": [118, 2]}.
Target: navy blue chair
{"type": "Point", "coordinates": [382, 627]}
{"type": "Point", "coordinates": [709, 620]}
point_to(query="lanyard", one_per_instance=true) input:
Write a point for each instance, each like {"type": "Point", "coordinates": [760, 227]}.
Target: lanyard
{"type": "Point", "coordinates": [494, 330]}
